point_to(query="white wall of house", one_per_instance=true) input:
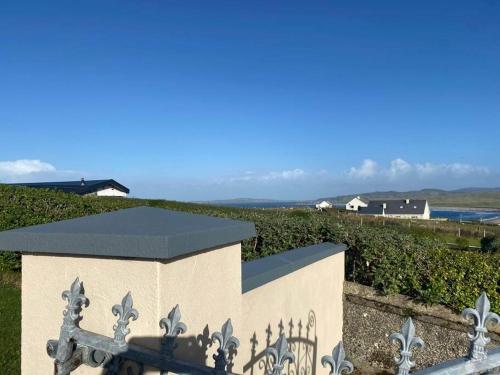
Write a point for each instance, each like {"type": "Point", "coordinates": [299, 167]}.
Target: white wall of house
{"type": "Point", "coordinates": [396, 216]}
{"type": "Point", "coordinates": [427, 212]}
{"type": "Point", "coordinates": [425, 216]}
{"type": "Point", "coordinates": [354, 204]}
{"type": "Point", "coordinates": [323, 205]}
{"type": "Point", "coordinates": [111, 192]}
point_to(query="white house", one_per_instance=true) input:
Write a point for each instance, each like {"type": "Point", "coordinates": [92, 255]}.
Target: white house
{"type": "Point", "coordinates": [323, 205]}
{"type": "Point", "coordinates": [101, 188]}
{"type": "Point", "coordinates": [398, 208]}
{"type": "Point", "coordinates": [355, 203]}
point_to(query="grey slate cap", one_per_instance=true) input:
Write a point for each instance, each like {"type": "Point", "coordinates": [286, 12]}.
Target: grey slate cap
{"type": "Point", "coordinates": [139, 232]}
{"type": "Point", "coordinates": [264, 270]}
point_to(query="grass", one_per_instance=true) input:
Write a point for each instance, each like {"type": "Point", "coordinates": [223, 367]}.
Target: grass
{"type": "Point", "coordinates": [10, 328]}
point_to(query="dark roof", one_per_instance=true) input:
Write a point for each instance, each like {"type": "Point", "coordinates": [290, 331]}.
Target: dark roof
{"type": "Point", "coordinates": [261, 271]}
{"type": "Point", "coordinates": [139, 232]}
{"type": "Point", "coordinates": [88, 186]}
{"type": "Point", "coordinates": [394, 207]}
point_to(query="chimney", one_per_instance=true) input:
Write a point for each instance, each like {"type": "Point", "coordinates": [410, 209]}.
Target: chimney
{"type": "Point", "coordinates": [407, 201]}
{"type": "Point", "coordinates": [82, 182]}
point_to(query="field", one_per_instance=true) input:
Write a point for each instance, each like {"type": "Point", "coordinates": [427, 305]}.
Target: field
{"type": "Point", "coordinates": [450, 232]}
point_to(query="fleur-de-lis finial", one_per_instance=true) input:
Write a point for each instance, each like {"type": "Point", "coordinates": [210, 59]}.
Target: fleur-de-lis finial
{"type": "Point", "coordinates": [173, 327]}
{"type": "Point", "coordinates": [226, 342]}
{"type": "Point", "coordinates": [125, 311]}
{"type": "Point", "coordinates": [65, 348]}
{"type": "Point", "coordinates": [280, 354]}
{"type": "Point", "coordinates": [337, 361]}
{"type": "Point", "coordinates": [407, 340]}
{"type": "Point", "coordinates": [481, 316]}
{"type": "Point", "coordinates": [76, 299]}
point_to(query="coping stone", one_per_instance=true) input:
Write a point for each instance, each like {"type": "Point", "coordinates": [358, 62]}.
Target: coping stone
{"type": "Point", "coordinates": [138, 232]}
{"type": "Point", "coordinates": [258, 272]}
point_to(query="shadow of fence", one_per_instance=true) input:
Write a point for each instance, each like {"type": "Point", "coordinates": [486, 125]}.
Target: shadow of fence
{"type": "Point", "coordinates": [303, 343]}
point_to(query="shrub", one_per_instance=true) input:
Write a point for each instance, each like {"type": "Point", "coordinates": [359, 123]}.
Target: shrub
{"type": "Point", "coordinates": [9, 262]}
{"type": "Point", "coordinates": [462, 243]}
{"type": "Point", "coordinates": [490, 244]}
{"type": "Point", "coordinates": [429, 271]}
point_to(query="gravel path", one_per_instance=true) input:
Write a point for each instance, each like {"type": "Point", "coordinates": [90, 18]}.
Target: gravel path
{"type": "Point", "coordinates": [366, 332]}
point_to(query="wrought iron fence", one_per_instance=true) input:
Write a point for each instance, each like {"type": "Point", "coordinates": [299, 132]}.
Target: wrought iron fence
{"type": "Point", "coordinates": [478, 359]}
{"type": "Point", "coordinates": [302, 342]}
{"type": "Point", "coordinates": [78, 347]}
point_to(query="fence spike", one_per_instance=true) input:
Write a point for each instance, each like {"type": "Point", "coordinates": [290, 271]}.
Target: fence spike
{"type": "Point", "coordinates": [407, 340]}
{"type": "Point", "coordinates": [481, 316]}
{"type": "Point", "coordinates": [65, 350]}
{"type": "Point", "coordinates": [76, 299]}
{"type": "Point", "coordinates": [226, 342]}
{"type": "Point", "coordinates": [173, 327]}
{"type": "Point", "coordinates": [125, 312]}
{"type": "Point", "coordinates": [280, 354]}
{"type": "Point", "coordinates": [337, 361]}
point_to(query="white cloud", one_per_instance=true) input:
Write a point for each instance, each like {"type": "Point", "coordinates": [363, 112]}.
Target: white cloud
{"type": "Point", "coordinates": [291, 174]}
{"type": "Point", "coordinates": [399, 167]}
{"type": "Point", "coordinates": [34, 170]}
{"type": "Point", "coordinates": [368, 168]}
{"type": "Point", "coordinates": [285, 175]}
{"type": "Point", "coordinates": [25, 167]}
{"type": "Point", "coordinates": [456, 169]}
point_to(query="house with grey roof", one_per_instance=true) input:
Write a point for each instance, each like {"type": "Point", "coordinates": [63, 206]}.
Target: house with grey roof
{"type": "Point", "coordinates": [101, 188]}
{"type": "Point", "coordinates": [398, 208]}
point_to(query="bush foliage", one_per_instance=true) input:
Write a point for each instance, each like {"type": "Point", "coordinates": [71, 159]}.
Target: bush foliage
{"type": "Point", "coordinates": [490, 244]}
{"type": "Point", "coordinates": [389, 258]}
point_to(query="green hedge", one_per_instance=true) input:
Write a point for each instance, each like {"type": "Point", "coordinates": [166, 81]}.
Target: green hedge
{"type": "Point", "coordinates": [392, 259]}
{"type": "Point", "coordinates": [423, 268]}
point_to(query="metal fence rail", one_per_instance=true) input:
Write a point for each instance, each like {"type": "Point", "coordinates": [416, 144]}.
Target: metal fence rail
{"type": "Point", "coordinates": [465, 366]}
{"type": "Point", "coordinates": [478, 360]}
{"type": "Point", "coordinates": [78, 347]}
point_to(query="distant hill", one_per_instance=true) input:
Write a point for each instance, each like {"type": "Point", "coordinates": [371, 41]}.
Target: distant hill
{"type": "Point", "coordinates": [239, 200]}
{"type": "Point", "coordinates": [476, 190]}
{"type": "Point", "coordinates": [467, 197]}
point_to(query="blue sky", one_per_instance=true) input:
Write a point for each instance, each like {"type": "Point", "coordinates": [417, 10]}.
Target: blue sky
{"type": "Point", "coordinates": [196, 100]}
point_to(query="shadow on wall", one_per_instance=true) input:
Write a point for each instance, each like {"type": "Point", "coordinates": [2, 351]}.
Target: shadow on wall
{"type": "Point", "coordinates": [189, 348]}
{"type": "Point", "coordinates": [303, 341]}
{"type": "Point", "coordinates": [301, 336]}
{"type": "Point", "coordinates": [193, 349]}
